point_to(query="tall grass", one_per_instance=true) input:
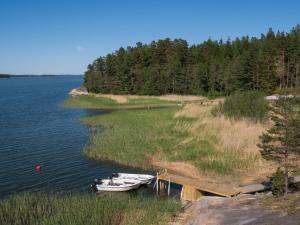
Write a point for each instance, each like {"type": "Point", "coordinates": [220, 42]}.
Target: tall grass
{"type": "Point", "coordinates": [250, 105]}
{"type": "Point", "coordinates": [137, 137]}
{"type": "Point", "coordinates": [76, 209]}
{"type": "Point", "coordinates": [133, 137]}
{"type": "Point", "coordinates": [189, 135]}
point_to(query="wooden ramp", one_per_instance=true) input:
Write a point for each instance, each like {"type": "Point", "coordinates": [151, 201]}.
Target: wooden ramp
{"type": "Point", "coordinates": [264, 186]}
{"type": "Point", "coordinates": [193, 188]}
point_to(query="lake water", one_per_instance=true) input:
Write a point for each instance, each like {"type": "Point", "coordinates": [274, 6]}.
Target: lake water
{"type": "Point", "coordinates": [36, 130]}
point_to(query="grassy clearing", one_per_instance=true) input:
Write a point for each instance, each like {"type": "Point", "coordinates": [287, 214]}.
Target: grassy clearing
{"type": "Point", "coordinates": [191, 135]}
{"type": "Point", "coordinates": [42, 209]}
{"type": "Point", "coordinates": [91, 102]}
{"type": "Point", "coordinates": [134, 137]}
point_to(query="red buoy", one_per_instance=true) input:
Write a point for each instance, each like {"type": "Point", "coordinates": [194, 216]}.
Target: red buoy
{"type": "Point", "coordinates": [38, 168]}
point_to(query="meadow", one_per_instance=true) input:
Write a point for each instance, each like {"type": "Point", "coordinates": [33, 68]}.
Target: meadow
{"type": "Point", "coordinates": [109, 103]}
{"type": "Point", "coordinates": [190, 134]}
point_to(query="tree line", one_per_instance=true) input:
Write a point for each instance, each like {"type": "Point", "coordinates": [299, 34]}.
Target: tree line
{"type": "Point", "coordinates": [167, 66]}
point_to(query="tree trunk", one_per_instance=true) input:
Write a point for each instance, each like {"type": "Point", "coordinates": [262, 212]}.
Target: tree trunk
{"type": "Point", "coordinates": [286, 175]}
{"type": "Point", "coordinates": [296, 75]}
{"type": "Point", "coordinates": [173, 85]}
{"type": "Point", "coordinates": [257, 76]}
{"type": "Point", "coordinates": [288, 73]}
{"type": "Point", "coordinates": [282, 74]}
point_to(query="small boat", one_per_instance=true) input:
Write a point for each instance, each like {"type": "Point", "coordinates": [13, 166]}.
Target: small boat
{"type": "Point", "coordinates": [116, 184]}
{"type": "Point", "coordinates": [143, 178]}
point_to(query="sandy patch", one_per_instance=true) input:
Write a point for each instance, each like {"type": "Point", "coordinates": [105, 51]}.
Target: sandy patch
{"type": "Point", "coordinates": [118, 98]}
{"type": "Point", "coordinates": [182, 98]}
{"type": "Point", "coordinates": [177, 98]}
{"type": "Point", "coordinates": [181, 168]}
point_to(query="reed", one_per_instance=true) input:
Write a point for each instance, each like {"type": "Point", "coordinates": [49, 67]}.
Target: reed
{"type": "Point", "coordinates": [78, 209]}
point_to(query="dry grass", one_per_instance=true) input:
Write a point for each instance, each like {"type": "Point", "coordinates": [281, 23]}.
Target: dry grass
{"type": "Point", "coordinates": [177, 167]}
{"type": "Point", "coordinates": [291, 204]}
{"type": "Point", "coordinates": [121, 99]}
{"type": "Point", "coordinates": [182, 98]}
{"type": "Point", "coordinates": [235, 139]}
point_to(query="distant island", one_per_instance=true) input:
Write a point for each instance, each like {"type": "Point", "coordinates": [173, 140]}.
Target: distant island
{"type": "Point", "coordinates": [6, 76]}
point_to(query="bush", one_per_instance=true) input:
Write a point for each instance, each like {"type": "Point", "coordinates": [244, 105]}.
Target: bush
{"type": "Point", "coordinates": [249, 104]}
{"type": "Point", "coordinates": [278, 182]}
{"type": "Point", "coordinates": [214, 94]}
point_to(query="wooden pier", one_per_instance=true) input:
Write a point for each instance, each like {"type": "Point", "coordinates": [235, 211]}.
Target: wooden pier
{"type": "Point", "coordinates": [193, 188]}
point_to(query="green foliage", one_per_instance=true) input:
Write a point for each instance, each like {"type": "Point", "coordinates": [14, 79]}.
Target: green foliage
{"type": "Point", "coordinates": [214, 94]}
{"type": "Point", "coordinates": [172, 66]}
{"type": "Point", "coordinates": [78, 209]}
{"type": "Point", "coordinates": [248, 104]}
{"type": "Point", "coordinates": [282, 140]}
{"type": "Point", "coordinates": [278, 182]}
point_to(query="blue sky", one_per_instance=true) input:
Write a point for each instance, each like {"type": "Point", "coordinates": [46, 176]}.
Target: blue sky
{"type": "Point", "coordinates": [64, 36]}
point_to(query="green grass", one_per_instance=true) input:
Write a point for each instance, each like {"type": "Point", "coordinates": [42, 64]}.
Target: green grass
{"type": "Point", "coordinates": [91, 102]}
{"type": "Point", "coordinates": [135, 137]}
{"type": "Point", "coordinates": [79, 209]}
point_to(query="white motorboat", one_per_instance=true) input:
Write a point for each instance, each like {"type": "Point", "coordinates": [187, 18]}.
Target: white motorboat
{"type": "Point", "coordinates": [143, 178]}
{"type": "Point", "coordinates": [116, 184]}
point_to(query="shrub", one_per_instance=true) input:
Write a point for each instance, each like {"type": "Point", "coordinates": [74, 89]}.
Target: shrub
{"type": "Point", "coordinates": [214, 94]}
{"type": "Point", "coordinates": [249, 104]}
{"type": "Point", "coordinates": [278, 182]}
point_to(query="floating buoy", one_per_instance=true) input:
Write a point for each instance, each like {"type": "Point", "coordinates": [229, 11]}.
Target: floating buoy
{"type": "Point", "coordinates": [38, 168]}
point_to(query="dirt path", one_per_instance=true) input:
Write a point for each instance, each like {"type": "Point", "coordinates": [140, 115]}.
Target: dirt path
{"type": "Point", "coordinates": [240, 210]}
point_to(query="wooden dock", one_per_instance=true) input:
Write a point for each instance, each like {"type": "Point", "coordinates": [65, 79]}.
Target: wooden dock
{"type": "Point", "coordinates": [193, 188]}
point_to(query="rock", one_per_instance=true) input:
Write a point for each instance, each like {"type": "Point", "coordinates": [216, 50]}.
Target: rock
{"type": "Point", "coordinates": [78, 92]}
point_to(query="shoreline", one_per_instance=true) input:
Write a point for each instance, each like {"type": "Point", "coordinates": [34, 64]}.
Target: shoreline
{"type": "Point", "coordinates": [188, 118]}
{"type": "Point", "coordinates": [186, 114]}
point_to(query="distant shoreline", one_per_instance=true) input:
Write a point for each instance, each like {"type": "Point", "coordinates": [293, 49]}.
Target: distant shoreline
{"type": "Point", "coordinates": [7, 76]}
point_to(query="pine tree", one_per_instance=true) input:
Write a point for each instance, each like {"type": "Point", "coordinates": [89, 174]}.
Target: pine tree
{"type": "Point", "coordinates": [281, 142]}
{"type": "Point", "coordinates": [172, 66]}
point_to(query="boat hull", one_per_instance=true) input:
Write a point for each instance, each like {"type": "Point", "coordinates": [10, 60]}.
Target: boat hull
{"type": "Point", "coordinates": [116, 184]}
{"type": "Point", "coordinates": [100, 187]}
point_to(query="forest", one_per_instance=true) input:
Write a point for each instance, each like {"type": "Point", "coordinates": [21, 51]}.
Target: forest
{"type": "Point", "coordinates": [269, 64]}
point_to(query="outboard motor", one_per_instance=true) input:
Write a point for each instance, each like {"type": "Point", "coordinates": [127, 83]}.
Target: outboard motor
{"type": "Point", "coordinates": [115, 175]}
{"type": "Point", "coordinates": [97, 181]}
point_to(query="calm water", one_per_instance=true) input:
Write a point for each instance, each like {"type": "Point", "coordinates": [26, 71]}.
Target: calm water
{"type": "Point", "coordinates": [35, 129]}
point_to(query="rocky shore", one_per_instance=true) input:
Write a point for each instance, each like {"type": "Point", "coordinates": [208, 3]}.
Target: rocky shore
{"type": "Point", "coordinates": [78, 92]}
{"type": "Point", "coordinates": [244, 209]}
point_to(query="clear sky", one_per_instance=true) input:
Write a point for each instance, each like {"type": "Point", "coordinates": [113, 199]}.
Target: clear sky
{"type": "Point", "coordinates": [64, 36]}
